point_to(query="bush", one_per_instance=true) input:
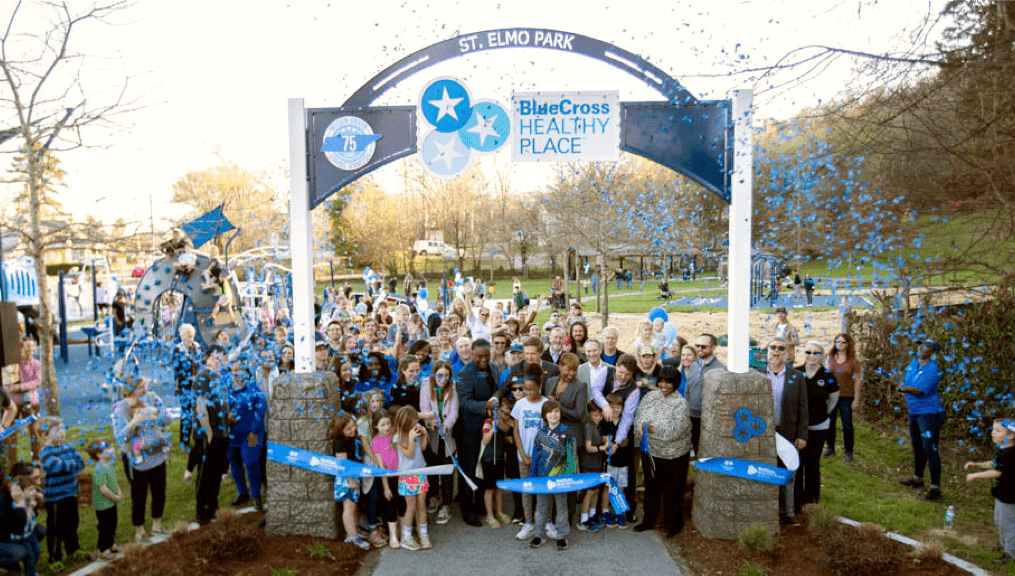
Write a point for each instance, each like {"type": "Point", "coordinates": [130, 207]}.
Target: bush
{"type": "Point", "coordinates": [756, 538]}
{"type": "Point", "coordinates": [820, 519]}
{"type": "Point", "coordinates": [975, 357]}
{"type": "Point", "coordinates": [752, 569]}
{"type": "Point", "coordinates": [860, 552]}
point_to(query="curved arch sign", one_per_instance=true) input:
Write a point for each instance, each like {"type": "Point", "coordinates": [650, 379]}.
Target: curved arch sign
{"type": "Point", "coordinates": [693, 137]}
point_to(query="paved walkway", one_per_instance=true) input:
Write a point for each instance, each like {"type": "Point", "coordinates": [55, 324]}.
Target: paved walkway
{"type": "Point", "coordinates": [462, 549]}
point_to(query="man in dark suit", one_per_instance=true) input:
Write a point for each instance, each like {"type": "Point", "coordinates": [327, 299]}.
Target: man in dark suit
{"type": "Point", "coordinates": [789, 392]}
{"type": "Point", "coordinates": [476, 384]}
{"type": "Point", "coordinates": [533, 347]}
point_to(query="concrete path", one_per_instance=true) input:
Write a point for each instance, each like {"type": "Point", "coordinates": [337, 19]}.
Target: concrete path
{"type": "Point", "coordinates": [462, 549]}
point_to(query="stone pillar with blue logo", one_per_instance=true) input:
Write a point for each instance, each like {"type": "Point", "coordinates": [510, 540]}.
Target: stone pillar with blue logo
{"type": "Point", "coordinates": [737, 425]}
{"type": "Point", "coordinates": [300, 414]}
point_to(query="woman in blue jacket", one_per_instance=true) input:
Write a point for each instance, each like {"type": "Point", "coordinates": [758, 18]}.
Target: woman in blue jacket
{"type": "Point", "coordinates": [926, 417]}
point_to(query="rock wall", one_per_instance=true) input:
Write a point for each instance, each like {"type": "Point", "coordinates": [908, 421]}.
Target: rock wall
{"type": "Point", "coordinates": [723, 505]}
{"type": "Point", "coordinates": [300, 413]}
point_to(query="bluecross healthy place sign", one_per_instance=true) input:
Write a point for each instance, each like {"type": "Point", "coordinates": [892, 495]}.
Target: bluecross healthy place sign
{"type": "Point", "coordinates": [565, 126]}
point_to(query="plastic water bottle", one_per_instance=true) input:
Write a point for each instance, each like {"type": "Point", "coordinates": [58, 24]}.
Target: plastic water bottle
{"type": "Point", "coordinates": [950, 518]}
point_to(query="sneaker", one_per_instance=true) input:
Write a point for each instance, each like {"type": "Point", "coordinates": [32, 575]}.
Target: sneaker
{"type": "Point", "coordinates": [551, 531]}
{"type": "Point", "coordinates": [621, 522]}
{"type": "Point", "coordinates": [911, 482]}
{"type": "Point", "coordinates": [609, 520]}
{"type": "Point", "coordinates": [828, 452]}
{"type": "Point", "coordinates": [849, 457]}
{"type": "Point", "coordinates": [583, 526]}
{"type": "Point", "coordinates": [443, 515]}
{"type": "Point", "coordinates": [433, 505]}
{"type": "Point", "coordinates": [361, 543]}
{"type": "Point", "coordinates": [378, 539]}
{"type": "Point", "coordinates": [394, 544]}
{"type": "Point", "coordinates": [536, 542]}
{"type": "Point", "coordinates": [518, 519]}
{"type": "Point", "coordinates": [526, 532]}
{"type": "Point", "coordinates": [591, 526]}
{"type": "Point", "coordinates": [562, 544]}
{"type": "Point", "coordinates": [504, 518]}
{"type": "Point", "coordinates": [424, 542]}
{"type": "Point", "coordinates": [932, 495]}
{"type": "Point", "coordinates": [410, 543]}
{"type": "Point", "coordinates": [492, 523]}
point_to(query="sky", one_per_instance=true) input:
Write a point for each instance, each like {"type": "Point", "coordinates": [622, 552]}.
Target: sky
{"type": "Point", "coordinates": [213, 78]}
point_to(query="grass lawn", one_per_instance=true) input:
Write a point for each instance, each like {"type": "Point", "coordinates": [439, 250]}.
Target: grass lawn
{"type": "Point", "coordinates": [180, 501]}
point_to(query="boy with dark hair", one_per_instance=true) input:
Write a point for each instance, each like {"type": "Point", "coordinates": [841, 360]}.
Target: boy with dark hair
{"type": "Point", "coordinates": [553, 454]}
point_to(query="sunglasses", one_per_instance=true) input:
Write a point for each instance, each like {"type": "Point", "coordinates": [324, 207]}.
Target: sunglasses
{"type": "Point", "coordinates": [701, 346]}
{"type": "Point", "coordinates": [840, 341]}
{"type": "Point", "coordinates": [517, 389]}
{"type": "Point", "coordinates": [779, 348]}
{"type": "Point", "coordinates": [809, 353]}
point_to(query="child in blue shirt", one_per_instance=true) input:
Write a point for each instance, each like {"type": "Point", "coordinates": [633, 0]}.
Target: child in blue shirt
{"type": "Point", "coordinates": [553, 454]}
{"type": "Point", "coordinates": [61, 463]}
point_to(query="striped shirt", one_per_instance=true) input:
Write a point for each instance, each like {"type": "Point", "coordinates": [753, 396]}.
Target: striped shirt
{"type": "Point", "coordinates": [61, 465]}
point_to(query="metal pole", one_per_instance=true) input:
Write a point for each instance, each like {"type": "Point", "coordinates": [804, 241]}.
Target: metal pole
{"type": "Point", "coordinates": [95, 294]}
{"type": "Point", "coordinates": [64, 352]}
{"type": "Point", "coordinates": [739, 310]}
{"type": "Point", "coordinates": [300, 241]}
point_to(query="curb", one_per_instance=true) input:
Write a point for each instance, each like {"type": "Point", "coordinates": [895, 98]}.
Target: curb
{"type": "Point", "coordinates": [953, 560]}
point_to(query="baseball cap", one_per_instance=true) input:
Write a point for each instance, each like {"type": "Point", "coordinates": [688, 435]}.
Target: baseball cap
{"type": "Point", "coordinates": [929, 343]}
{"type": "Point", "coordinates": [516, 347]}
{"type": "Point", "coordinates": [319, 340]}
{"type": "Point", "coordinates": [780, 309]}
{"type": "Point", "coordinates": [646, 350]}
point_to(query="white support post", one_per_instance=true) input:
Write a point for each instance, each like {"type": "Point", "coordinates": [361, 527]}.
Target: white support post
{"type": "Point", "coordinates": [739, 309]}
{"type": "Point", "coordinates": [300, 231]}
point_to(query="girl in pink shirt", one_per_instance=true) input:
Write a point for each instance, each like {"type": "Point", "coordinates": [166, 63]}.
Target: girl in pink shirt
{"type": "Point", "coordinates": [390, 505]}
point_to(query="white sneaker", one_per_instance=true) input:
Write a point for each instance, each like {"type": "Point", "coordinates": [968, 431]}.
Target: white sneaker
{"type": "Point", "coordinates": [526, 532]}
{"type": "Point", "coordinates": [443, 515]}
{"type": "Point", "coordinates": [551, 531]}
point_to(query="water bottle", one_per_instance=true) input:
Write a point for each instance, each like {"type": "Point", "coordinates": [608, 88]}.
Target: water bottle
{"type": "Point", "coordinates": [950, 518]}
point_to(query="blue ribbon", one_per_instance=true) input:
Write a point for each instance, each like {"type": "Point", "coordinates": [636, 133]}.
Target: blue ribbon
{"type": "Point", "coordinates": [568, 483]}
{"type": "Point", "coordinates": [18, 425]}
{"type": "Point", "coordinates": [340, 467]}
{"type": "Point", "coordinates": [440, 430]}
{"type": "Point", "coordinates": [746, 469]}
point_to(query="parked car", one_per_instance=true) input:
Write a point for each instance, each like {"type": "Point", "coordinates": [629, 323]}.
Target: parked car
{"type": "Point", "coordinates": [436, 248]}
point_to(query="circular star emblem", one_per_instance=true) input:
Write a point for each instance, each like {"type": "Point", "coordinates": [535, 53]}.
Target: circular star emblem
{"type": "Point", "coordinates": [446, 104]}
{"type": "Point", "coordinates": [444, 154]}
{"type": "Point", "coordinates": [487, 129]}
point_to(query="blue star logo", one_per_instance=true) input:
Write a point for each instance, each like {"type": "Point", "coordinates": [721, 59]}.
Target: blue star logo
{"type": "Point", "coordinates": [487, 129]}
{"type": "Point", "coordinates": [446, 105]}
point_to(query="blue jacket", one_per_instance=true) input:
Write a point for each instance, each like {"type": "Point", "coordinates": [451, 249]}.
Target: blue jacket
{"type": "Point", "coordinates": [248, 407]}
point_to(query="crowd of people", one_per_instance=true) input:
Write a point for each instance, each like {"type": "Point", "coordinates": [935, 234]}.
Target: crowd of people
{"type": "Point", "coordinates": [477, 384]}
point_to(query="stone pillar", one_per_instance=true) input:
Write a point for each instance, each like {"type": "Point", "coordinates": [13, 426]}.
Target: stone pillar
{"type": "Point", "coordinates": [723, 505]}
{"type": "Point", "coordinates": [300, 414]}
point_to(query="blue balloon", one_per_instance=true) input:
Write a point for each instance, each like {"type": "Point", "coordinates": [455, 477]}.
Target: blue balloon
{"type": "Point", "coordinates": [422, 294]}
{"type": "Point", "coordinates": [658, 312]}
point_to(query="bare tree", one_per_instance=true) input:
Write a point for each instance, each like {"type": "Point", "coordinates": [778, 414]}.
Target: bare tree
{"type": "Point", "coordinates": [52, 106]}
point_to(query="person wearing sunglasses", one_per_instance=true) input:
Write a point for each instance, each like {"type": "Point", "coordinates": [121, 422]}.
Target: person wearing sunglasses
{"type": "Point", "coordinates": [822, 399]}
{"type": "Point", "coordinates": [789, 394]}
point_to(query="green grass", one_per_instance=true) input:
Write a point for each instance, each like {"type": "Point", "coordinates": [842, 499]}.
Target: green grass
{"type": "Point", "coordinates": [867, 490]}
{"type": "Point", "coordinates": [180, 497]}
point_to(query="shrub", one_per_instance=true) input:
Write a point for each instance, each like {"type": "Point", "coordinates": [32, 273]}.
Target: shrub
{"type": "Point", "coordinates": [752, 569]}
{"type": "Point", "coordinates": [756, 538]}
{"type": "Point", "coordinates": [859, 552]}
{"type": "Point", "coordinates": [820, 519]}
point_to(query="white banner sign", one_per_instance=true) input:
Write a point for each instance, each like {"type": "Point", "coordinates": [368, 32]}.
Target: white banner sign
{"type": "Point", "coordinates": [565, 126]}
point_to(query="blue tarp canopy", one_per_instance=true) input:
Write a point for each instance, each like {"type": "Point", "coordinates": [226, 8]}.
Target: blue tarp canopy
{"type": "Point", "coordinates": [204, 228]}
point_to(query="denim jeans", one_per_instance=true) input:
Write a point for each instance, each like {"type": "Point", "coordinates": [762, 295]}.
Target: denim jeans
{"type": "Point", "coordinates": [925, 433]}
{"type": "Point", "coordinates": [844, 409]}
